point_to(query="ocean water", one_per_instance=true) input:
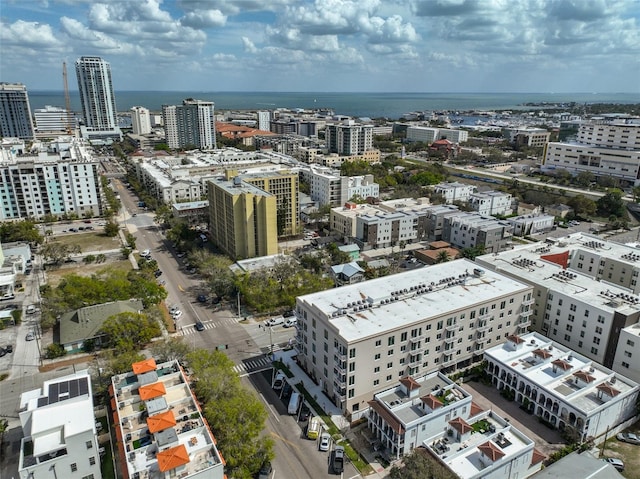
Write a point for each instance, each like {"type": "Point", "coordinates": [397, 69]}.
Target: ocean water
{"type": "Point", "coordinates": [373, 105]}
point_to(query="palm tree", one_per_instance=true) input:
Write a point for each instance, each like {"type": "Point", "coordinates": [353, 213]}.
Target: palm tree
{"type": "Point", "coordinates": [443, 257]}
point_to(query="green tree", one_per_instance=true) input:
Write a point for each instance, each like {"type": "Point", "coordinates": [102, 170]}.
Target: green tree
{"type": "Point", "coordinates": [130, 331]}
{"type": "Point", "coordinates": [442, 257]}
{"type": "Point", "coordinates": [582, 206]}
{"type": "Point", "coordinates": [131, 240]}
{"type": "Point", "coordinates": [25, 230]}
{"type": "Point", "coordinates": [584, 179]}
{"type": "Point", "coordinates": [54, 351]}
{"type": "Point", "coordinates": [55, 252]}
{"type": "Point", "coordinates": [419, 465]}
{"type": "Point", "coordinates": [611, 204]}
{"type": "Point", "coordinates": [471, 253]}
{"type": "Point", "coordinates": [111, 229]}
{"type": "Point", "coordinates": [170, 349]}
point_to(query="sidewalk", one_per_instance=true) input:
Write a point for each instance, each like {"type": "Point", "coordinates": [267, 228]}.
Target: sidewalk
{"type": "Point", "coordinates": [327, 405]}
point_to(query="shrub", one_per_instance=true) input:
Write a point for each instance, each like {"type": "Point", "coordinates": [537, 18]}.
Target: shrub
{"type": "Point", "coordinates": [54, 351]}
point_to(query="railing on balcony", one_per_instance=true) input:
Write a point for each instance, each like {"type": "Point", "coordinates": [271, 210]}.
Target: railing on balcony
{"type": "Point", "coordinates": [451, 327]}
{"type": "Point", "coordinates": [483, 326]}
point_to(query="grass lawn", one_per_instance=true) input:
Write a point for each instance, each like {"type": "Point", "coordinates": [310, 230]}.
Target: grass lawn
{"type": "Point", "coordinates": [55, 275]}
{"type": "Point", "coordinates": [92, 241]}
{"type": "Point", "coordinates": [629, 453]}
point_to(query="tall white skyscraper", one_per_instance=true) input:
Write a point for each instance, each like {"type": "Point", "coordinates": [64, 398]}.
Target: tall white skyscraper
{"type": "Point", "coordinates": [97, 99]}
{"type": "Point", "coordinates": [15, 112]}
{"type": "Point", "coordinates": [52, 121]}
{"type": "Point", "coordinates": [190, 124]}
{"type": "Point", "coordinates": [140, 120]}
{"type": "Point", "coordinates": [264, 120]}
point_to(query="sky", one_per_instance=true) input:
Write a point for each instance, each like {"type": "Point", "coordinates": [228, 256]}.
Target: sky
{"type": "Point", "coordinates": [541, 46]}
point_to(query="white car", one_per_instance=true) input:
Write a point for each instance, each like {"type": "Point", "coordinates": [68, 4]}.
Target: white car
{"type": "Point", "coordinates": [177, 314]}
{"type": "Point", "coordinates": [325, 442]}
{"type": "Point", "coordinates": [145, 253]}
{"type": "Point", "coordinates": [274, 321]}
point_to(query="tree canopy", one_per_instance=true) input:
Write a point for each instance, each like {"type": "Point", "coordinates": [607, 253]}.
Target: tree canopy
{"type": "Point", "coordinates": [20, 231]}
{"type": "Point", "coordinates": [130, 331]}
{"type": "Point", "coordinates": [419, 465]}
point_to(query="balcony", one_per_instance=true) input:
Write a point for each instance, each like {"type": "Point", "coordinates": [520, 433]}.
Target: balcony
{"type": "Point", "coordinates": [340, 382]}
{"type": "Point", "coordinates": [483, 326]}
{"type": "Point", "coordinates": [339, 355]}
{"type": "Point", "coordinates": [340, 367]}
{"type": "Point", "coordinates": [450, 339]}
{"type": "Point", "coordinates": [414, 359]}
{"type": "Point", "coordinates": [526, 313]}
{"type": "Point", "coordinates": [527, 302]}
{"type": "Point", "coordinates": [451, 327]}
{"type": "Point", "coordinates": [416, 339]}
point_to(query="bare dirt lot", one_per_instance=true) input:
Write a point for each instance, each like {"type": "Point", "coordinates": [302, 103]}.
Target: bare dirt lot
{"type": "Point", "coordinates": [92, 241]}
{"type": "Point", "coordinates": [78, 267]}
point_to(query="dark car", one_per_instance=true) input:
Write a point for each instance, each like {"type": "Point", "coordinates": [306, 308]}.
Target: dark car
{"type": "Point", "coordinates": [202, 298]}
{"type": "Point", "coordinates": [288, 314]}
{"type": "Point", "coordinates": [199, 326]}
{"type": "Point", "coordinates": [87, 221]}
{"type": "Point", "coordinates": [265, 471]}
{"type": "Point", "coordinates": [157, 273]}
{"type": "Point", "coordinates": [304, 412]}
{"type": "Point", "coordinates": [9, 348]}
{"type": "Point", "coordinates": [215, 300]}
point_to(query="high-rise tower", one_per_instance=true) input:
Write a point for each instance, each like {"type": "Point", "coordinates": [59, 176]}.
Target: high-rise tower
{"type": "Point", "coordinates": [97, 99]}
{"type": "Point", "coordinates": [15, 112]}
{"type": "Point", "coordinates": [190, 124]}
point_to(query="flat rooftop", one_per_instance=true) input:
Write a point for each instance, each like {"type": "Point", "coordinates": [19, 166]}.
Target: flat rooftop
{"type": "Point", "coordinates": [555, 369]}
{"type": "Point", "coordinates": [371, 308]}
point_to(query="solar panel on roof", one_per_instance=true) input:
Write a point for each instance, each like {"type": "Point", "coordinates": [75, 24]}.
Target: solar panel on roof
{"type": "Point", "coordinates": [64, 387]}
{"type": "Point", "coordinates": [43, 402]}
{"type": "Point", "coordinates": [73, 388]}
{"type": "Point", "coordinates": [84, 386]}
{"type": "Point", "coordinates": [53, 393]}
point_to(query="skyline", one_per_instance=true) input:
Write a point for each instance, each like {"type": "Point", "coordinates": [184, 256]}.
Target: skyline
{"type": "Point", "coordinates": [329, 45]}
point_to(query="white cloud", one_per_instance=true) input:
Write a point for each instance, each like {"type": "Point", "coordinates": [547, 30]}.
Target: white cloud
{"type": "Point", "coordinates": [204, 19]}
{"type": "Point", "coordinates": [29, 35]}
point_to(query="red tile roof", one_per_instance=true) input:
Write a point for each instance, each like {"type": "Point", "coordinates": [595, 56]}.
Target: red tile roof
{"type": "Point", "coordinates": [460, 425]}
{"type": "Point", "coordinates": [490, 450]}
{"type": "Point", "coordinates": [432, 401]}
{"type": "Point", "coordinates": [562, 364]}
{"type": "Point", "coordinates": [543, 353]}
{"type": "Point", "coordinates": [172, 458]}
{"type": "Point", "coordinates": [515, 339]}
{"type": "Point", "coordinates": [151, 391]}
{"type": "Point", "coordinates": [159, 422]}
{"type": "Point", "coordinates": [585, 376]}
{"type": "Point", "coordinates": [475, 409]}
{"type": "Point", "coordinates": [144, 366]}
{"type": "Point", "coordinates": [537, 457]}
{"type": "Point", "coordinates": [410, 383]}
{"type": "Point", "coordinates": [387, 417]}
{"type": "Point", "coordinates": [608, 389]}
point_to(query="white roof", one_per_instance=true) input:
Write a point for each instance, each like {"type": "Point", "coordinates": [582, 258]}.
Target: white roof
{"type": "Point", "coordinates": [371, 308]}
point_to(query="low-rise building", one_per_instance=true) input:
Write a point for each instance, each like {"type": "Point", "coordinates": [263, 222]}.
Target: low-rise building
{"type": "Point", "coordinates": [563, 388]}
{"type": "Point", "coordinates": [491, 202]}
{"type": "Point", "coordinates": [454, 191]}
{"type": "Point", "coordinates": [160, 429]}
{"type": "Point", "coordinates": [429, 135]}
{"type": "Point", "coordinates": [347, 273]}
{"type": "Point", "coordinates": [531, 224]}
{"type": "Point", "coordinates": [59, 430]}
{"type": "Point", "coordinates": [473, 230]}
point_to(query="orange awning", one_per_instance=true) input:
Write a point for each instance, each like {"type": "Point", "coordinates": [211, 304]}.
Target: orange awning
{"type": "Point", "coordinates": [144, 366]}
{"type": "Point", "coordinates": [151, 391]}
{"type": "Point", "coordinates": [172, 458]}
{"type": "Point", "coordinates": [159, 422]}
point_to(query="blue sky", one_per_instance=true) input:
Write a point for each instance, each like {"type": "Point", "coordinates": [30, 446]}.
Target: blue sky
{"type": "Point", "coordinates": [328, 45]}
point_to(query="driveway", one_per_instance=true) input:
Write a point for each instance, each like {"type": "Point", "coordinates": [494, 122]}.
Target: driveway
{"type": "Point", "coordinates": [547, 440]}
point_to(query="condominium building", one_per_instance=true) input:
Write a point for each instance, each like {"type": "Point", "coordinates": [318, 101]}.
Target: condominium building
{"type": "Point", "coordinates": [326, 185]}
{"type": "Point", "coordinates": [491, 202]}
{"type": "Point", "coordinates": [454, 191]}
{"type": "Point", "coordinates": [472, 230]}
{"type": "Point", "coordinates": [627, 356]}
{"type": "Point", "coordinates": [362, 187]}
{"type": "Point", "coordinates": [140, 120]}
{"type": "Point", "coordinates": [429, 135]}
{"type": "Point", "coordinates": [434, 414]}
{"type": "Point", "coordinates": [52, 122]}
{"type": "Point", "coordinates": [349, 138]}
{"type": "Point", "coordinates": [59, 430]}
{"type": "Point", "coordinates": [264, 120]}
{"type": "Point", "coordinates": [57, 178]}
{"type": "Point", "coordinates": [242, 218]}
{"type": "Point", "coordinates": [359, 339]}
{"type": "Point", "coordinates": [524, 225]}
{"type": "Point", "coordinates": [603, 149]}
{"type": "Point", "coordinates": [160, 428]}
{"type": "Point", "coordinates": [97, 99]}
{"type": "Point", "coordinates": [191, 124]}
{"type": "Point", "coordinates": [15, 111]}
{"type": "Point", "coordinates": [560, 386]}
{"type": "Point", "coordinates": [584, 294]}
{"type": "Point", "coordinates": [531, 137]}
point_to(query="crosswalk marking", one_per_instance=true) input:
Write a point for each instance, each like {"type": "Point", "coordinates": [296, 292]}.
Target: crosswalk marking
{"type": "Point", "coordinates": [190, 328]}
{"type": "Point", "coordinates": [251, 365]}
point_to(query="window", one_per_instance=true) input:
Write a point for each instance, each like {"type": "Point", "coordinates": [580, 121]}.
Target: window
{"type": "Point", "coordinates": [352, 393]}
{"type": "Point", "coordinates": [389, 377]}
{"type": "Point", "coordinates": [391, 340]}
{"type": "Point", "coordinates": [403, 337]}
{"type": "Point", "coordinates": [90, 476]}
{"type": "Point", "coordinates": [625, 365]}
{"type": "Point", "coordinates": [594, 350]}
{"type": "Point", "coordinates": [627, 354]}
{"type": "Point", "coordinates": [352, 380]}
{"type": "Point", "coordinates": [378, 343]}
{"type": "Point", "coordinates": [352, 367]}
{"type": "Point", "coordinates": [352, 353]}
{"type": "Point", "coordinates": [377, 357]}
{"type": "Point", "coordinates": [89, 444]}
{"type": "Point", "coordinates": [92, 461]}
{"type": "Point", "coordinates": [376, 382]}
{"type": "Point", "coordinates": [390, 352]}
{"type": "Point", "coordinates": [74, 467]}
{"type": "Point", "coordinates": [376, 369]}
{"type": "Point", "coordinates": [389, 365]}
{"type": "Point", "coordinates": [596, 340]}
{"type": "Point", "coordinates": [630, 343]}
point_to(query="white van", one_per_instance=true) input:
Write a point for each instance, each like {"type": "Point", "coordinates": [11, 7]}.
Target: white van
{"type": "Point", "coordinates": [274, 321]}
{"type": "Point", "coordinates": [294, 403]}
{"type": "Point", "coordinates": [290, 322]}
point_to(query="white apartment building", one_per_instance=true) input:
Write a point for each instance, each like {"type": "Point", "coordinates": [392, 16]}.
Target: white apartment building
{"type": "Point", "coordinates": [524, 225]}
{"type": "Point", "coordinates": [15, 111]}
{"type": "Point", "coordinates": [435, 413]}
{"type": "Point", "coordinates": [327, 187]}
{"type": "Point", "coordinates": [604, 149]}
{"type": "Point", "coordinates": [627, 358]}
{"type": "Point", "coordinates": [360, 339]}
{"type": "Point", "coordinates": [532, 137]}
{"type": "Point", "coordinates": [363, 187]}
{"type": "Point", "coordinates": [190, 124]}
{"type": "Point", "coordinates": [565, 389]}
{"type": "Point", "coordinates": [348, 138]}
{"type": "Point", "coordinates": [59, 430]}
{"type": "Point", "coordinates": [264, 120]}
{"type": "Point", "coordinates": [53, 122]}
{"type": "Point", "coordinates": [491, 202]}
{"type": "Point", "coordinates": [582, 293]}
{"type": "Point", "coordinates": [454, 191]}
{"type": "Point", "coordinates": [56, 178]}
{"type": "Point", "coordinates": [427, 134]}
{"type": "Point", "coordinates": [390, 228]}
{"type": "Point", "coordinates": [140, 120]}
{"type": "Point", "coordinates": [469, 230]}
{"type": "Point", "coordinates": [97, 99]}
{"type": "Point", "coordinates": [160, 427]}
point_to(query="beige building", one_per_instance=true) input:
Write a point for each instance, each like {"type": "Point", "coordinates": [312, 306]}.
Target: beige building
{"type": "Point", "coordinates": [242, 218]}
{"type": "Point", "coordinates": [360, 339]}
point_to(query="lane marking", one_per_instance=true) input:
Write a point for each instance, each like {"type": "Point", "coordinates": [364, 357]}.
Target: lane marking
{"type": "Point", "coordinates": [254, 372]}
{"type": "Point", "coordinates": [275, 416]}
{"type": "Point", "coordinates": [290, 443]}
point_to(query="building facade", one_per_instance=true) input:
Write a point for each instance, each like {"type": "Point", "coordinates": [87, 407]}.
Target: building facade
{"type": "Point", "coordinates": [140, 120]}
{"type": "Point", "coordinates": [491, 203]}
{"type": "Point", "coordinates": [242, 218]}
{"type": "Point", "coordinates": [59, 430]}
{"type": "Point", "coordinates": [349, 138]}
{"type": "Point", "coordinates": [565, 389]}
{"type": "Point", "coordinates": [360, 339]}
{"type": "Point", "coordinates": [454, 191]}
{"type": "Point", "coordinates": [52, 122]}
{"type": "Point", "coordinates": [160, 427]}
{"type": "Point", "coordinates": [15, 111]}
{"type": "Point", "coordinates": [429, 135]}
{"type": "Point", "coordinates": [190, 124]}
{"type": "Point", "coordinates": [472, 230]}
{"type": "Point", "coordinates": [97, 99]}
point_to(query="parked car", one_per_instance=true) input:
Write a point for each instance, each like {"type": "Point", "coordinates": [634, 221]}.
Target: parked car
{"type": "Point", "coordinates": [9, 348]}
{"type": "Point", "coordinates": [628, 437]}
{"type": "Point", "coordinates": [31, 309]}
{"type": "Point", "coordinates": [289, 314]}
{"type": "Point", "coordinates": [290, 322]}
{"type": "Point", "coordinates": [325, 442]}
{"type": "Point", "coordinates": [30, 337]}
{"type": "Point", "coordinates": [265, 471]}
{"type": "Point", "coordinates": [215, 300]}
{"type": "Point", "coordinates": [279, 381]}
{"type": "Point", "coordinates": [157, 273]}
{"type": "Point", "coordinates": [177, 314]}
{"type": "Point", "coordinates": [87, 221]}
{"type": "Point", "coordinates": [304, 412]}
{"type": "Point", "coordinates": [337, 460]}
{"type": "Point", "coordinates": [173, 309]}
{"type": "Point", "coordinates": [617, 463]}
{"type": "Point", "coordinates": [202, 298]}
{"type": "Point", "coordinates": [274, 321]}
{"type": "Point", "coordinates": [73, 230]}
{"type": "Point", "coordinates": [145, 253]}
{"type": "Point", "coordinates": [199, 326]}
